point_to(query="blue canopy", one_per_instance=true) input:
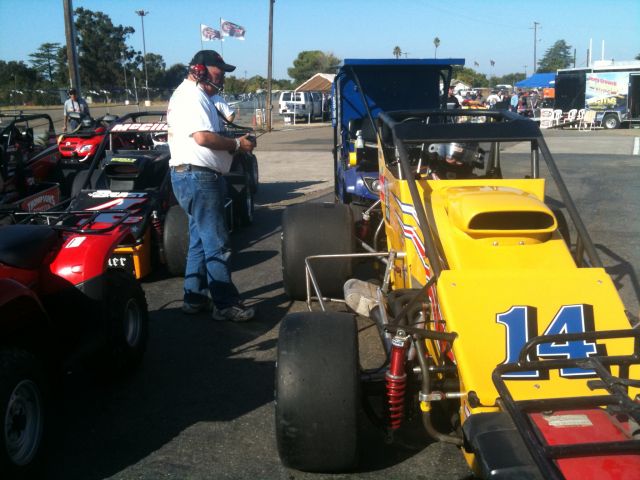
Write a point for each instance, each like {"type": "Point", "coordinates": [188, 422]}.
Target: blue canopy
{"type": "Point", "coordinates": [538, 80]}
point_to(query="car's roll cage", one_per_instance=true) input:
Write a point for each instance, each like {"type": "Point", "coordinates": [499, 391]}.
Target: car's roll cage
{"type": "Point", "coordinates": [107, 141]}
{"type": "Point", "coordinates": [395, 135]}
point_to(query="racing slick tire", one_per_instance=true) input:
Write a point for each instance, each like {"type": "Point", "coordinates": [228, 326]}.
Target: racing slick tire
{"type": "Point", "coordinates": [125, 307]}
{"type": "Point", "coordinates": [176, 240]}
{"type": "Point", "coordinates": [244, 205]}
{"type": "Point", "coordinates": [22, 412]}
{"type": "Point", "coordinates": [611, 122]}
{"type": "Point", "coordinates": [240, 190]}
{"type": "Point", "coordinates": [317, 229]}
{"type": "Point", "coordinates": [317, 394]}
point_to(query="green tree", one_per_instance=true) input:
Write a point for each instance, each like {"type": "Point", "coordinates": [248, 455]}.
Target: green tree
{"type": "Point", "coordinates": [508, 79]}
{"type": "Point", "coordinates": [45, 61]}
{"type": "Point", "coordinates": [310, 62]}
{"type": "Point", "coordinates": [156, 70]}
{"type": "Point", "coordinates": [436, 43]}
{"type": "Point", "coordinates": [174, 75]}
{"type": "Point", "coordinates": [17, 80]}
{"type": "Point", "coordinates": [557, 56]}
{"type": "Point", "coordinates": [638, 57]}
{"type": "Point", "coordinates": [102, 49]}
{"type": "Point", "coordinates": [470, 76]}
{"type": "Point", "coordinates": [397, 52]}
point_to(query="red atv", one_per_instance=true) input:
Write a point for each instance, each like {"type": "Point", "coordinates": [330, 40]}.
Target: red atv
{"type": "Point", "coordinates": [30, 175]}
{"type": "Point", "coordinates": [78, 146]}
{"type": "Point", "coordinates": [60, 303]}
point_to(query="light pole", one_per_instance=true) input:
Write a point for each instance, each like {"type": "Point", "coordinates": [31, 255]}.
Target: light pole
{"type": "Point", "coordinates": [142, 14]}
{"type": "Point", "coordinates": [535, 44]}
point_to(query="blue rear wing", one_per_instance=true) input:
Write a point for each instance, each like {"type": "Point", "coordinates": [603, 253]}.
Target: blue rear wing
{"type": "Point", "coordinates": [365, 87]}
{"type": "Point", "coordinates": [401, 61]}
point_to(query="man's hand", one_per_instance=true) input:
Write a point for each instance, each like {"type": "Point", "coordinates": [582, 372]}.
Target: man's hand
{"type": "Point", "coordinates": [247, 143]}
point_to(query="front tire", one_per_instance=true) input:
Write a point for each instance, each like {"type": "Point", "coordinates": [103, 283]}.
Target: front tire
{"type": "Point", "coordinates": [318, 392]}
{"type": "Point", "coordinates": [127, 321]}
{"type": "Point", "coordinates": [22, 411]}
{"type": "Point", "coordinates": [316, 229]}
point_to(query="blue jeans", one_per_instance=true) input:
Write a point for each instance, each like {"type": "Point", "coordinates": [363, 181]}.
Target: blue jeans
{"type": "Point", "coordinates": [201, 194]}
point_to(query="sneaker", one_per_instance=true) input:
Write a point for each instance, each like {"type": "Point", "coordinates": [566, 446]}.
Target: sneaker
{"type": "Point", "coordinates": [235, 313]}
{"type": "Point", "coordinates": [191, 308]}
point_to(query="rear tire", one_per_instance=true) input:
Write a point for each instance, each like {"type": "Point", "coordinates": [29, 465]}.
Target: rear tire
{"type": "Point", "coordinates": [175, 238]}
{"type": "Point", "coordinates": [318, 392]}
{"type": "Point", "coordinates": [316, 229]}
{"type": "Point", "coordinates": [610, 122]}
{"type": "Point", "coordinates": [127, 321]}
{"type": "Point", "coordinates": [22, 413]}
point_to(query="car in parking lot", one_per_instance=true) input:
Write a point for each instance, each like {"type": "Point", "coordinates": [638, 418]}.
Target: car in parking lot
{"type": "Point", "coordinates": [300, 104]}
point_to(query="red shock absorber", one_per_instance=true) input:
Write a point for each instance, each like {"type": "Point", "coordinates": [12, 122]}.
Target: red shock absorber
{"type": "Point", "coordinates": [397, 379]}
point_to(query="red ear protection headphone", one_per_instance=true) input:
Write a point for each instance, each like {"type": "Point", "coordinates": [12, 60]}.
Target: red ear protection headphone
{"type": "Point", "coordinates": [201, 74]}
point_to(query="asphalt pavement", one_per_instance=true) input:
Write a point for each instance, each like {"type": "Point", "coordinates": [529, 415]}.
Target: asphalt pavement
{"type": "Point", "coordinates": [201, 404]}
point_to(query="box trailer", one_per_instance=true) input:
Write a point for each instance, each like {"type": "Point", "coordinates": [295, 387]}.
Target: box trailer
{"type": "Point", "coordinates": [612, 91]}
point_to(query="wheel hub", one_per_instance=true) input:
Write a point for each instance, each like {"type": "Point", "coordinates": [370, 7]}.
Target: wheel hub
{"type": "Point", "coordinates": [23, 422]}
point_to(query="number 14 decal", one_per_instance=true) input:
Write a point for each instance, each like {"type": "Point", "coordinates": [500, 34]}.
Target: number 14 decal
{"type": "Point", "coordinates": [522, 324]}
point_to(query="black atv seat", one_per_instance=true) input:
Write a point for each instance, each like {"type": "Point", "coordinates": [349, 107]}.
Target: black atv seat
{"type": "Point", "coordinates": [25, 246]}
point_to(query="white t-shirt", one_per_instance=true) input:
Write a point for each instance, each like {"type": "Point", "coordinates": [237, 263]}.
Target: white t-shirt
{"type": "Point", "coordinates": [222, 105]}
{"type": "Point", "coordinates": [190, 111]}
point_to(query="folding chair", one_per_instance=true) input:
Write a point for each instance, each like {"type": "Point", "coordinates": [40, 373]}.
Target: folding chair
{"type": "Point", "coordinates": [589, 120]}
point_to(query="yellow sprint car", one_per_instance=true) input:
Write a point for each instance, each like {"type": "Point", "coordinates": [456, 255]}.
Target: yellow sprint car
{"type": "Point", "coordinates": [492, 305]}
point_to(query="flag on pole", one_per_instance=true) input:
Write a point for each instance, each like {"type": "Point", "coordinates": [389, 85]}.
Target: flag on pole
{"type": "Point", "coordinates": [230, 29]}
{"type": "Point", "coordinates": [208, 34]}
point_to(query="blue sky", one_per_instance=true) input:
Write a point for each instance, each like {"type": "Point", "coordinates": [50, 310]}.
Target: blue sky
{"type": "Point", "coordinates": [477, 30]}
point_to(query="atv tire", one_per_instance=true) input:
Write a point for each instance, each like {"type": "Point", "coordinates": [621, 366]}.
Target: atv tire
{"type": "Point", "coordinates": [317, 229]}
{"type": "Point", "coordinates": [318, 392]}
{"type": "Point", "coordinates": [22, 407]}
{"type": "Point", "coordinates": [176, 240]}
{"type": "Point", "coordinates": [127, 319]}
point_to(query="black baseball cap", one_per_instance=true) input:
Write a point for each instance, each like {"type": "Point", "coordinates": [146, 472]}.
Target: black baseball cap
{"type": "Point", "coordinates": [211, 58]}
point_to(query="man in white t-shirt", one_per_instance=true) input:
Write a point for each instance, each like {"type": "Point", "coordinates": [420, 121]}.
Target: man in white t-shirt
{"type": "Point", "coordinates": [199, 158]}
{"type": "Point", "coordinates": [74, 104]}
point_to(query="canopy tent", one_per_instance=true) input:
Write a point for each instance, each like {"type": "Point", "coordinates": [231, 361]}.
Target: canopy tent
{"type": "Point", "coordinates": [538, 80]}
{"type": "Point", "coordinates": [320, 82]}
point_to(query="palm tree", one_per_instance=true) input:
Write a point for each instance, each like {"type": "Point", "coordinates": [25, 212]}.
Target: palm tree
{"type": "Point", "coordinates": [397, 52]}
{"type": "Point", "coordinates": [436, 43]}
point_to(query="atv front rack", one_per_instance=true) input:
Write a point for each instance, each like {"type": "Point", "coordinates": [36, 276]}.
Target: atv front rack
{"type": "Point", "coordinates": [617, 400]}
{"type": "Point", "coordinates": [77, 221]}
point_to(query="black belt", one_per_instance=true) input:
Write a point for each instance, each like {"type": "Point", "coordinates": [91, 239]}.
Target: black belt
{"type": "Point", "coordinates": [187, 167]}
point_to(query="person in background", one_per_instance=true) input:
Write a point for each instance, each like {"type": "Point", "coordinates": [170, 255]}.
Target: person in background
{"type": "Point", "coordinates": [223, 107]}
{"type": "Point", "coordinates": [514, 102]}
{"type": "Point", "coordinates": [200, 156]}
{"type": "Point", "coordinates": [452, 100]}
{"type": "Point", "coordinates": [74, 104]}
{"type": "Point", "coordinates": [493, 98]}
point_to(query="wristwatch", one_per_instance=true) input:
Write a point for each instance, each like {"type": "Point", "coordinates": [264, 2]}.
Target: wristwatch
{"type": "Point", "coordinates": [237, 144]}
